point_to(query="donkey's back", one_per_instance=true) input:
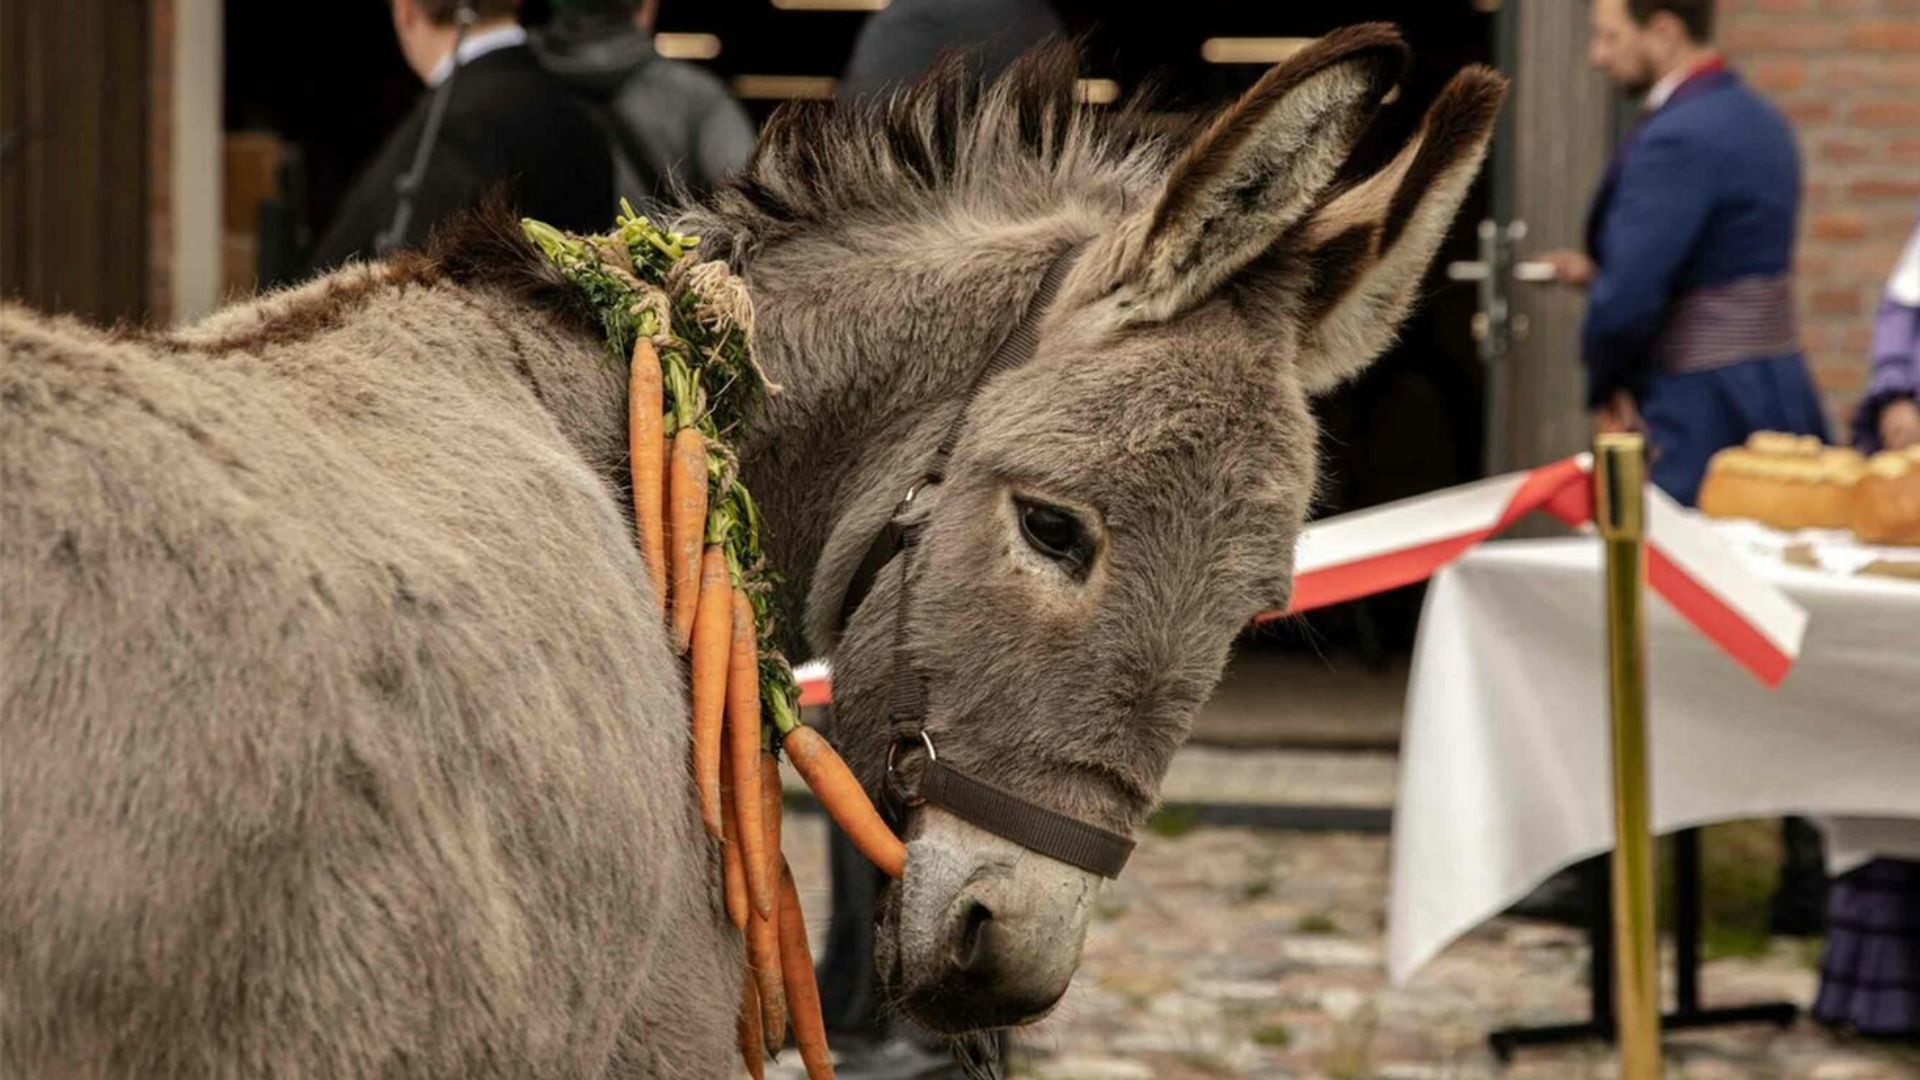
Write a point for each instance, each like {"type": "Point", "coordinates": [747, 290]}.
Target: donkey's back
{"type": "Point", "coordinates": [339, 736]}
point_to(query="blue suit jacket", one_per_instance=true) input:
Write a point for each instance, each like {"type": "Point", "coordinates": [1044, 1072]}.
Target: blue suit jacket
{"type": "Point", "coordinates": [1705, 191]}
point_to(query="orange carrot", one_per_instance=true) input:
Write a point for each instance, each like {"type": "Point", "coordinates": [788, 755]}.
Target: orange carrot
{"type": "Point", "coordinates": [763, 962]}
{"type": "Point", "coordinates": [645, 430]}
{"type": "Point", "coordinates": [735, 876]}
{"type": "Point", "coordinates": [712, 633]}
{"type": "Point", "coordinates": [743, 750]}
{"type": "Point", "coordinates": [770, 795]}
{"type": "Point", "coordinates": [803, 993]}
{"type": "Point", "coordinates": [776, 1023]}
{"type": "Point", "coordinates": [686, 529]}
{"type": "Point", "coordinates": [747, 1030]}
{"type": "Point", "coordinates": [844, 800]}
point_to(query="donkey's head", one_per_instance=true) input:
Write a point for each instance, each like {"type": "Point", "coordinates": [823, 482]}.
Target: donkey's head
{"type": "Point", "coordinates": [1116, 509]}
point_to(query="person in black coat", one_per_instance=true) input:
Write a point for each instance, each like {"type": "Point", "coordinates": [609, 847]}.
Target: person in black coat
{"type": "Point", "coordinates": [506, 123]}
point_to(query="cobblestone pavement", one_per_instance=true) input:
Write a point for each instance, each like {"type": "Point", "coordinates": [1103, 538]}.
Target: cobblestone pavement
{"type": "Point", "coordinates": [1242, 953]}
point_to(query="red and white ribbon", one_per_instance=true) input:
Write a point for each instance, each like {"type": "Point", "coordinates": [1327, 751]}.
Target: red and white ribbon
{"type": "Point", "coordinates": [816, 684]}
{"type": "Point", "coordinates": [1385, 547]}
{"type": "Point", "coordinates": [1371, 551]}
{"type": "Point", "coordinates": [1374, 550]}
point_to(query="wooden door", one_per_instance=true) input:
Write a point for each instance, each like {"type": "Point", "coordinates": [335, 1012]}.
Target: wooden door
{"type": "Point", "coordinates": [73, 155]}
{"type": "Point", "coordinates": [1555, 145]}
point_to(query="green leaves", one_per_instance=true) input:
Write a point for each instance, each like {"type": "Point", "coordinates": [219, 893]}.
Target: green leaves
{"type": "Point", "coordinates": [710, 383]}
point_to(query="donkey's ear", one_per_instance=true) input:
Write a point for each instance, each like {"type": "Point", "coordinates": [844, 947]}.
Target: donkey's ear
{"type": "Point", "coordinates": [1256, 170]}
{"type": "Point", "coordinates": [1364, 254]}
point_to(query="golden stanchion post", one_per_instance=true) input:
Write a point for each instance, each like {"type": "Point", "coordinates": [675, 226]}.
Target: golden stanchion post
{"type": "Point", "coordinates": [1620, 475]}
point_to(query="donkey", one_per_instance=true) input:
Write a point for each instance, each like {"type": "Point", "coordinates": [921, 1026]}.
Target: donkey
{"type": "Point", "coordinates": [340, 738]}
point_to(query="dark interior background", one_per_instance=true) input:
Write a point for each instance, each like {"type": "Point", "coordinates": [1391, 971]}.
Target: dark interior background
{"type": "Point", "coordinates": [1412, 424]}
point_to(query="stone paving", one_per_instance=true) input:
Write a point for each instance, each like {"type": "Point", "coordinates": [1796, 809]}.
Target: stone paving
{"type": "Point", "coordinates": [1241, 953]}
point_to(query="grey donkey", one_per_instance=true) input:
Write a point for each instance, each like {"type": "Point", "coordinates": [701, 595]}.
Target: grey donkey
{"type": "Point", "coordinates": [340, 738]}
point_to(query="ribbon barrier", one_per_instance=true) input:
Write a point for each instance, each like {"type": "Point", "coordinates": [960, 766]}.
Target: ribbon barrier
{"type": "Point", "coordinates": [1371, 551]}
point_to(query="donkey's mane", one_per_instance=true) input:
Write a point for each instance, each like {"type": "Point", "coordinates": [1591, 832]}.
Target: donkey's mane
{"type": "Point", "coordinates": [482, 248]}
{"type": "Point", "coordinates": [1016, 144]}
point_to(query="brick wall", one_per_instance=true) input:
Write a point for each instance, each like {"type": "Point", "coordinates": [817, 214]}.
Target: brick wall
{"type": "Point", "coordinates": [1847, 73]}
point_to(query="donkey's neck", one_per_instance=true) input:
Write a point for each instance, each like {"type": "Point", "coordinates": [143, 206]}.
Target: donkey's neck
{"type": "Point", "coordinates": [874, 346]}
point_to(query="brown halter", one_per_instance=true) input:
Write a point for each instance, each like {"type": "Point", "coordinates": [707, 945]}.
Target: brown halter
{"type": "Point", "coordinates": [1008, 816]}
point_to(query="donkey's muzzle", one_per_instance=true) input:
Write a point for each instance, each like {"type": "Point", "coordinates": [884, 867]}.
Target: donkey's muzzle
{"type": "Point", "coordinates": [987, 934]}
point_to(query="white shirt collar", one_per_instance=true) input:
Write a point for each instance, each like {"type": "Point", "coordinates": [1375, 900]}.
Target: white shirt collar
{"type": "Point", "coordinates": [1663, 90]}
{"type": "Point", "coordinates": [477, 45]}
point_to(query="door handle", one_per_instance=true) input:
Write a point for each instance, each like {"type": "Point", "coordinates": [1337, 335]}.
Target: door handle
{"type": "Point", "coordinates": [1531, 271]}
{"type": "Point", "coordinates": [1534, 271]}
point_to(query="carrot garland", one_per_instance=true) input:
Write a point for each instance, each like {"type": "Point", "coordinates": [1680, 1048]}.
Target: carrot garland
{"type": "Point", "coordinates": [803, 992]}
{"type": "Point", "coordinates": [733, 872]}
{"type": "Point", "coordinates": [686, 529]}
{"type": "Point", "coordinates": [743, 752]}
{"type": "Point", "coordinates": [774, 1017]}
{"type": "Point", "coordinates": [747, 1031]}
{"type": "Point", "coordinates": [842, 797]}
{"type": "Point", "coordinates": [712, 635]}
{"type": "Point", "coordinates": [763, 969]}
{"type": "Point", "coordinates": [770, 795]}
{"type": "Point", "coordinates": [646, 427]}
{"type": "Point", "coordinates": [685, 326]}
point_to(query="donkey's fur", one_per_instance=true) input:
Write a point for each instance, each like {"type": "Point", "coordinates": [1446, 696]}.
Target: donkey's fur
{"type": "Point", "coordinates": [338, 736]}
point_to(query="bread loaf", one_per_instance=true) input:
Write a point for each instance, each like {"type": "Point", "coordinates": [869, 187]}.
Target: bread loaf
{"type": "Point", "coordinates": [1886, 502]}
{"type": "Point", "coordinates": [1785, 481]}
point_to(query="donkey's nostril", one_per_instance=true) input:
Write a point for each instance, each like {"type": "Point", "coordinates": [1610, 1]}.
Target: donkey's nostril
{"type": "Point", "coordinates": [970, 952]}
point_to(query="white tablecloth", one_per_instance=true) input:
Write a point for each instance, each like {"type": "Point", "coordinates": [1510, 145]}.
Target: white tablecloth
{"type": "Point", "coordinates": [1504, 763]}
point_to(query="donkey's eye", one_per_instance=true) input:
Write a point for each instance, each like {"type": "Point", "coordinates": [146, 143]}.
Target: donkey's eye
{"type": "Point", "coordinates": [1055, 533]}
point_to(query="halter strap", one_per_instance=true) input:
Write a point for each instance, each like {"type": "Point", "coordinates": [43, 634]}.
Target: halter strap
{"type": "Point", "coordinates": [1000, 812]}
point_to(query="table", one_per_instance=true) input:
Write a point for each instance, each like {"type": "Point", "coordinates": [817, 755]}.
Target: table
{"type": "Point", "coordinates": [1504, 760]}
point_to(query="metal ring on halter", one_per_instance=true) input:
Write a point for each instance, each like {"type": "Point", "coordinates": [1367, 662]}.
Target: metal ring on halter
{"type": "Point", "coordinates": [925, 740]}
{"type": "Point", "coordinates": [899, 798]}
{"type": "Point", "coordinates": [913, 492]}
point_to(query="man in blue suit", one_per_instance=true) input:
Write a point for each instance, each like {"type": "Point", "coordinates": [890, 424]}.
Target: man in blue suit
{"type": "Point", "coordinates": [1690, 332]}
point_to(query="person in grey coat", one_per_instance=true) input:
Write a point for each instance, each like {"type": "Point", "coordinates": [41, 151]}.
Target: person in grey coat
{"type": "Point", "coordinates": [674, 125]}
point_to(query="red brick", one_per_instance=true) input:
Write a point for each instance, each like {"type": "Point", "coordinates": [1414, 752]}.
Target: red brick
{"type": "Point", "coordinates": [1784, 35]}
{"type": "Point", "coordinates": [1836, 375]}
{"type": "Point", "coordinates": [1884, 188]}
{"type": "Point", "coordinates": [1905, 149]}
{"type": "Point", "coordinates": [1887, 113]}
{"type": "Point", "coordinates": [1870, 263]}
{"type": "Point", "coordinates": [1842, 226]}
{"type": "Point", "coordinates": [1847, 73]}
{"type": "Point", "coordinates": [1804, 113]}
{"type": "Point", "coordinates": [1778, 74]}
{"type": "Point", "coordinates": [1884, 35]}
{"type": "Point", "coordinates": [1902, 71]}
{"type": "Point", "coordinates": [1842, 151]}
{"type": "Point", "coordinates": [1837, 302]}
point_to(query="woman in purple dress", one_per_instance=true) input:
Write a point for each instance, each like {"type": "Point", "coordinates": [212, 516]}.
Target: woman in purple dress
{"type": "Point", "coordinates": [1889, 415]}
{"type": "Point", "coordinates": [1870, 976]}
